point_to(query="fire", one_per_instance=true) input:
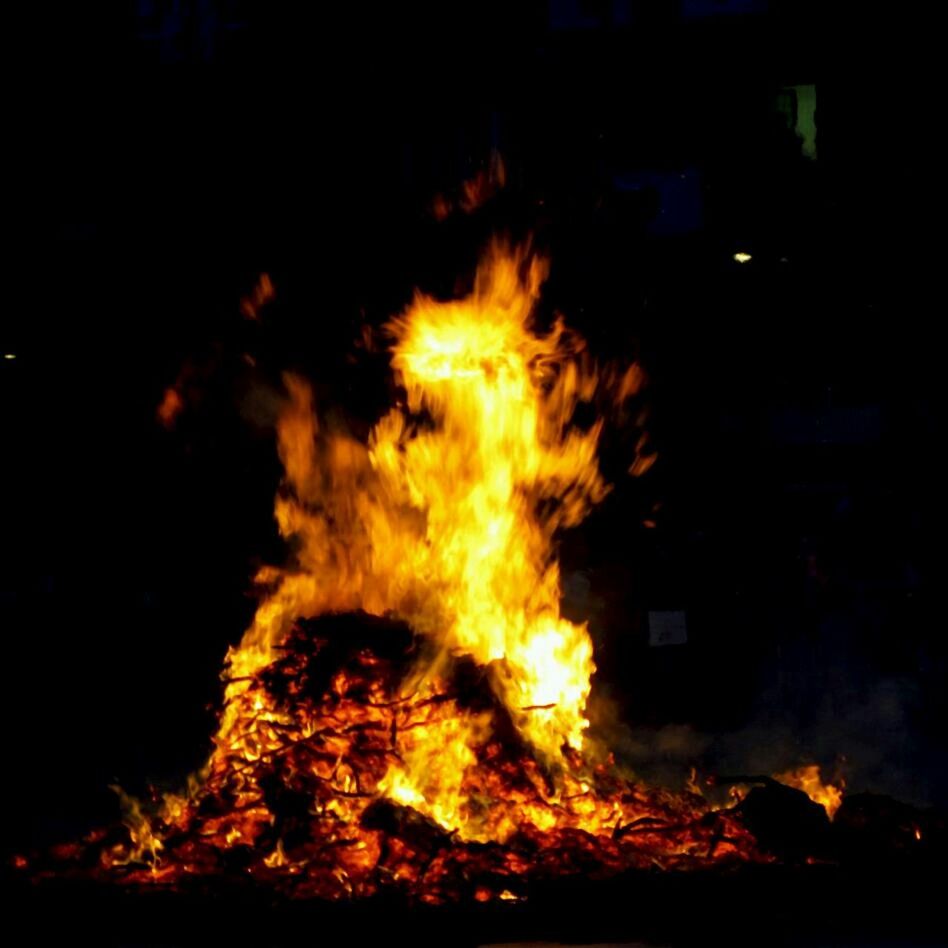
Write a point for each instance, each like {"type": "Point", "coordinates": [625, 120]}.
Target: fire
{"type": "Point", "coordinates": [808, 779]}
{"type": "Point", "coordinates": [446, 517]}
{"type": "Point", "coordinates": [170, 407]}
{"type": "Point", "coordinates": [475, 191]}
{"type": "Point", "coordinates": [262, 294]}
{"type": "Point", "coordinates": [408, 706]}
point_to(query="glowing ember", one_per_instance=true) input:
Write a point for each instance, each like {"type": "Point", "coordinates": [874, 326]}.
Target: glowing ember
{"type": "Point", "coordinates": [407, 708]}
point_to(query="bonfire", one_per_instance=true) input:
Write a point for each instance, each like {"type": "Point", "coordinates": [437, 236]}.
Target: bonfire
{"type": "Point", "coordinates": [408, 710]}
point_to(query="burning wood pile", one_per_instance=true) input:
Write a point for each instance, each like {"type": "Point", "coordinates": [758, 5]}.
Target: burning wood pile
{"type": "Point", "coordinates": [303, 798]}
{"type": "Point", "coordinates": [407, 712]}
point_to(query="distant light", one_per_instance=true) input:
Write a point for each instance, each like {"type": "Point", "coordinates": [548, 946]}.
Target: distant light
{"type": "Point", "coordinates": [742, 257]}
{"type": "Point", "coordinates": [9, 356]}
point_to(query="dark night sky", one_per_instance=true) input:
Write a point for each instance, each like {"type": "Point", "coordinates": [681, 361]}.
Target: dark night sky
{"type": "Point", "coordinates": [158, 167]}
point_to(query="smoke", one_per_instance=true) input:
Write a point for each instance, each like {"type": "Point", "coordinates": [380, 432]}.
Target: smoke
{"type": "Point", "coordinates": [868, 740]}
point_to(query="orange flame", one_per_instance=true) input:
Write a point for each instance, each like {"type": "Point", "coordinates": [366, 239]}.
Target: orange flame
{"type": "Point", "coordinates": [261, 294]}
{"type": "Point", "coordinates": [479, 189]}
{"type": "Point", "coordinates": [475, 191]}
{"type": "Point", "coordinates": [170, 407]}
{"type": "Point", "coordinates": [446, 517]}
{"type": "Point", "coordinates": [807, 779]}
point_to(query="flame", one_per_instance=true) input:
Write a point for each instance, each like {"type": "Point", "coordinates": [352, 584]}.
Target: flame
{"type": "Point", "coordinates": [807, 778]}
{"type": "Point", "coordinates": [170, 407]}
{"type": "Point", "coordinates": [475, 191]}
{"type": "Point", "coordinates": [262, 293]}
{"type": "Point", "coordinates": [145, 843]}
{"type": "Point", "coordinates": [483, 185]}
{"type": "Point", "coordinates": [446, 517]}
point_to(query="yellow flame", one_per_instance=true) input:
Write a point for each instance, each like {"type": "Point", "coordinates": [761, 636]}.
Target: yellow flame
{"type": "Point", "coordinates": [144, 842]}
{"type": "Point", "coordinates": [807, 779]}
{"type": "Point", "coordinates": [432, 782]}
{"type": "Point", "coordinates": [446, 517]}
{"type": "Point", "coordinates": [277, 858]}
